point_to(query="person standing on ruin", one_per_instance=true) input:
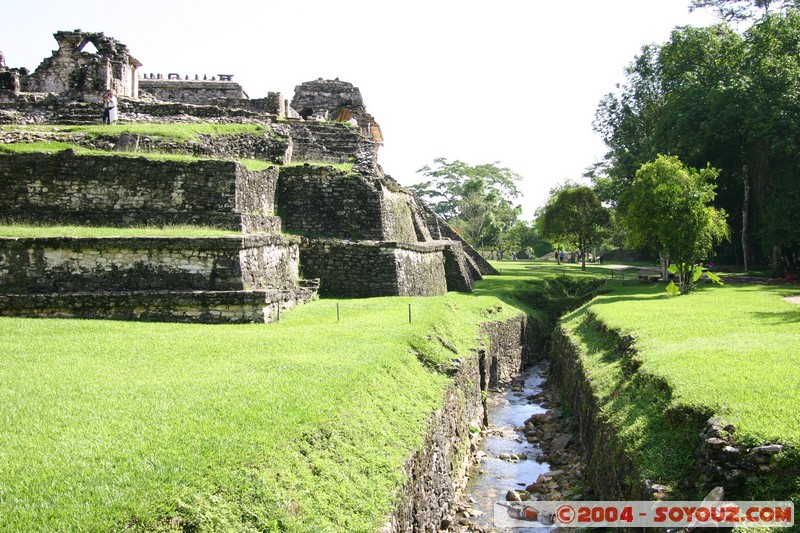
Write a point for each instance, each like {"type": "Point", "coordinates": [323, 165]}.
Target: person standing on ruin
{"type": "Point", "coordinates": [109, 108]}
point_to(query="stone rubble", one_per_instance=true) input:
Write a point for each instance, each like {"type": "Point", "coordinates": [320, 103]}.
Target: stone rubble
{"type": "Point", "coordinates": [565, 480]}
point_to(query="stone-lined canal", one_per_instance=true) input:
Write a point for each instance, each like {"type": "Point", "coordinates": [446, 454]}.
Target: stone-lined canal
{"type": "Point", "coordinates": [522, 436]}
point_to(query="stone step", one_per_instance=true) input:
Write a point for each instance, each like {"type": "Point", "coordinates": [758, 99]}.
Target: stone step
{"type": "Point", "coordinates": [206, 307]}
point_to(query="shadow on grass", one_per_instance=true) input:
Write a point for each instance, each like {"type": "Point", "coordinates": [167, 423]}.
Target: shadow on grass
{"type": "Point", "coordinates": [785, 317]}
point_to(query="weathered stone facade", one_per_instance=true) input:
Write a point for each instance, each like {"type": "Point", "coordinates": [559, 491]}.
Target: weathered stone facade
{"type": "Point", "coordinates": [435, 473]}
{"type": "Point", "coordinates": [325, 143]}
{"type": "Point", "coordinates": [128, 191]}
{"type": "Point", "coordinates": [68, 264]}
{"type": "Point", "coordinates": [83, 74]}
{"type": "Point", "coordinates": [613, 471]}
{"type": "Point", "coordinates": [191, 91]}
{"type": "Point", "coordinates": [207, 307]}
{"type": "Point", "coordinates": [335, 100]}
{"type": "Point", "coordinates": [325, 202]}
{"type": "Point", "coordinates": [374, 268]}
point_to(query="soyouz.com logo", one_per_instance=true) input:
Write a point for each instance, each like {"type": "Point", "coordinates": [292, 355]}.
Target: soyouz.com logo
{"type": "Point", "coordinates": [644, 514]}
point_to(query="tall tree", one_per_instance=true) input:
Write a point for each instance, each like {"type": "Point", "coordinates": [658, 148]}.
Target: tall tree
{"type": "Point", "coordinates": [669, 212]}
{"type": "Point", "coordinates": [450, 182]}
{"type": "Point", "coordinates": [740, 10]}
{"type": "Point", "coordinates": [478, 201]}
{"type": "Point", "coordinates": [576, 216]}
{"type": "Point", "coordinates": [726, 98]}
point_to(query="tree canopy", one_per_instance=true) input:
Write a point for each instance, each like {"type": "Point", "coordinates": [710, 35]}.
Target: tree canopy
{"type": "Point", "coordinates": [669, 213]}
{"type": "Point", "coordinates": [478, 201]}
{"type": "Point", "coordinates": [576, 217]}
{"type": "Point", "coordinates": [714, 95]}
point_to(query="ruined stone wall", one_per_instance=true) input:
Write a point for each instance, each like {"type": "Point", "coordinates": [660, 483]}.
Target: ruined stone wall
{"type": "Point", "coordinates": [611, 472]}
{"type": "Point", "coordinates": [67, 264]}
{"type": "Point", "coordinates": [86, 75]}
{"type": "Point", "coordinates": [67, 188]}
{"type": "Point", "coordinates": [720, 461]}
{"type": "Point", "coordinates": [191, 91]}
{"type": "Point", "coordinates": [206, 307]}
{"type": "Point", "coordinates": [38, 108]}
{"type": "Point", "coordinates": [325, 202]}
{"type": "Point", "coordinates": [459, 276]}
{"type": "Point", "coordinates": [323, 142]}
{"type": "Point", "coordinates": [365, 269]}
{"type": "Point", "coordinates": [271, 145]}
{"type": "Point", "coordinates": [439, 229]}
{"type": "Point", "coordinates": [397, 216]}
{"type": "Point", "coordinates": [328, 98]}
{"type": "Point", "coordinates": [420, 271]}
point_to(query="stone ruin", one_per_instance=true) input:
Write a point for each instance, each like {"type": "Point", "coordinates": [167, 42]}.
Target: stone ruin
{"type": "Point", "coordinates": [75, 71]}
{"type": "Point", "coordinates": [301, 226]}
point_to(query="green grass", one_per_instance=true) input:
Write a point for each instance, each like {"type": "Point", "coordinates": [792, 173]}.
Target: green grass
{"type": "Point", "coordinates": [54, 147]}
{"type": "Point", "coordinates": [300, 426]}
{"type": "Point", "coordinates": [250, 164]}
{"type": "Point", "coordinates": [731, 352]}
{"type": "Point", "coordinates": [25, 230]}
{"type": "Point", "coordinates": [184, 132]}
{"type": "Point", "coordinates": [304, 425]}
{"type": "Point", "coordinates": [342, 167]}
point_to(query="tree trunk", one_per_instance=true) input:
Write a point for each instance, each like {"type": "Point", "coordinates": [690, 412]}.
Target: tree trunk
{"type": "Point", "coordinates": [663, 263]}
{"type": "Point", "coordinates": [583, 258]}
{"type": "Point", "coordinates": [777, 260]}
{"type": "Point", "coordinates": [746, 224]}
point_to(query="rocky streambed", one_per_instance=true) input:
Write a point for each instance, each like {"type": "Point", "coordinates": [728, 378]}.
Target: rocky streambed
{"type": "Point", "coordinates": [528, 452]}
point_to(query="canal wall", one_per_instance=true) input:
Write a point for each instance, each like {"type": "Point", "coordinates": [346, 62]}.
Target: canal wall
{"type": "Point", "coordinates": [438, 469]}
{"type": "Point", "coordinates": [613, 469]}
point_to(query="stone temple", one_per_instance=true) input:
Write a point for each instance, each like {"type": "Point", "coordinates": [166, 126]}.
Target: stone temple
{"type": "Point", "coordinates": [321, 216]}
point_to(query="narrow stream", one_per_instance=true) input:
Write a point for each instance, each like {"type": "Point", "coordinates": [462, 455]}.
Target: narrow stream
{"type": "Point", "coordinates": [510, 461]}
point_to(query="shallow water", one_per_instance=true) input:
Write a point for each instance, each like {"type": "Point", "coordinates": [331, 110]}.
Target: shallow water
{"type": "Point", "coordinates": [493, 477]}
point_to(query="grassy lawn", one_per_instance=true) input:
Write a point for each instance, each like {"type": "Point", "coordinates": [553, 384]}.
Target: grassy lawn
{"type": "Point", "coordinates": [301, 425]}
{"type": "Point", "coordinates": [304, 425]}
{"type": "Point", "coordinates": [731, 352]}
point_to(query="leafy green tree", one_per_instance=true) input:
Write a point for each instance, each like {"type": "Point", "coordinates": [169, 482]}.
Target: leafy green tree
{"type": "Point", "coordinates": [450, 183]}
{"type": "Point", "coordinates": [772, 124]}
{"type": "Point", "coordinates": [715, 95]}
{"type": "Point", "coordinates": [525, 237]}
{"type": "Point", "coordinates": [476, 200]}
{"type": "Point", "coordinates": [577, 217]}
{"type": "Point", "coordinates": [739, 10]}
{"type": "Point", "coordinates": [668, 212]}
{"type": "Point", "coordinates": [627, 123]}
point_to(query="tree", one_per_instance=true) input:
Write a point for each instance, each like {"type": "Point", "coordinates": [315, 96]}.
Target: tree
{"type": "Point", "coordinates": [728, 98]}
{"type": "Point", "coordinates": [739, 10]}
{"type": "Point", "coordinates": [476, 200]}
{"type": "Point", "coordinates": [668, 212]}
{"type": "Point", "coordinates": [577, 217]}
{"type": "Point", "coordinates": [451, 182]}
{"type": "Point", "coordinates": [524, 237]}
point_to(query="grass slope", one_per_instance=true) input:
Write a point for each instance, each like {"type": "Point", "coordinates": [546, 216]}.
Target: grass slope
{"type": "Point", "coordinates": [731, 351]}
{"type": "Point", "coordinates": [301, 425]}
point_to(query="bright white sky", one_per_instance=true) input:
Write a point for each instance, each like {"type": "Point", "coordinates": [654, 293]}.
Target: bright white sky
{"type": "Point", "coordinates": [512, 81]}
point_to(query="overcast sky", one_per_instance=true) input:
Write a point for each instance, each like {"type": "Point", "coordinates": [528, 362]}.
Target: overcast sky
{"type": "Point", "coordinates": [513, 81]}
